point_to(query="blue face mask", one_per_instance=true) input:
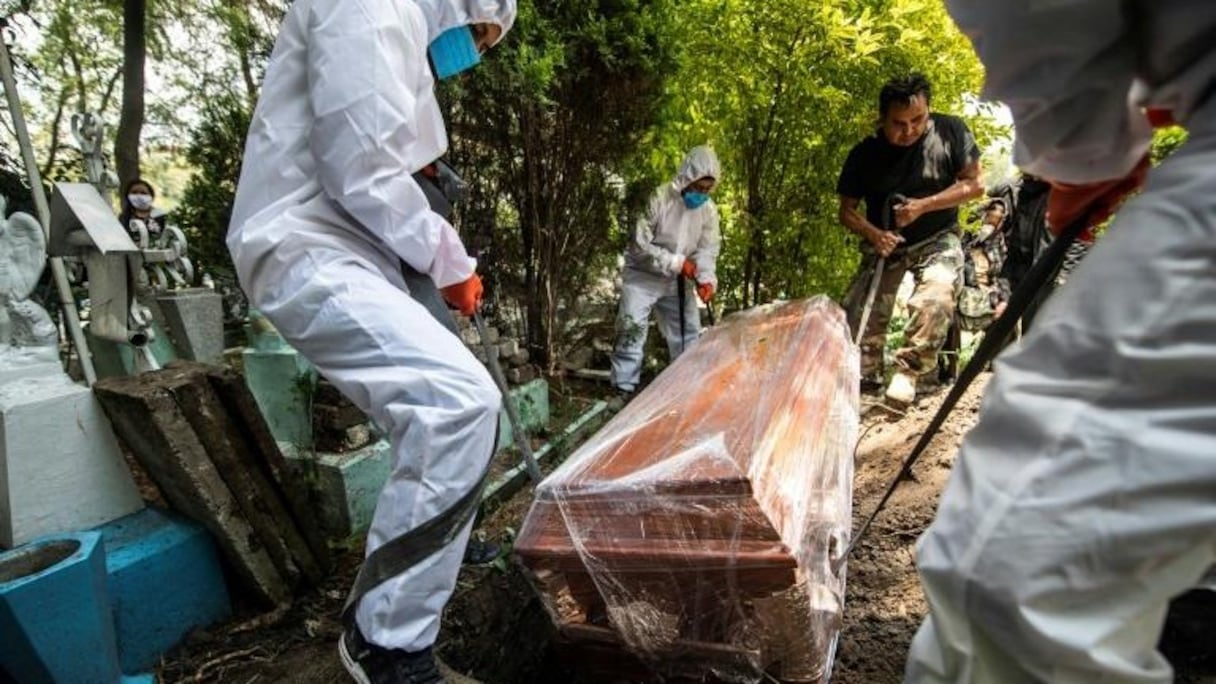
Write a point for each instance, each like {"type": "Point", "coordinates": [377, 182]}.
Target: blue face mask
{"type": "Point", "coordinates": [692, 200]}
{"type": "Point", "coordinates": [453, 52]}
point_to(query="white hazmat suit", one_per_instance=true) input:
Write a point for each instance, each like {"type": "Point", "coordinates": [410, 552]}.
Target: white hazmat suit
{"type": "Point", "coordinates": [326, 211]}
{"type": "Point", "coordinates": [661, 241]}
{"type": "Point", "coordinates": [1085, 498]}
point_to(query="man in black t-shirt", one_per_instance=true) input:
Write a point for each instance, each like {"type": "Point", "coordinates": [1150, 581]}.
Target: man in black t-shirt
{"type": "Point", "coordinates": [912, 174]}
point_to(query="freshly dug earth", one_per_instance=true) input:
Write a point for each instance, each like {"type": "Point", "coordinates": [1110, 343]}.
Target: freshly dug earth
{"type": "Point", "coordinates": [496, 631]}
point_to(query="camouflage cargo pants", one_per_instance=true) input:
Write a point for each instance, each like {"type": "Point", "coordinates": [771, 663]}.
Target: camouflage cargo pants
{"type": "Point", "coordinates": [936, 266]}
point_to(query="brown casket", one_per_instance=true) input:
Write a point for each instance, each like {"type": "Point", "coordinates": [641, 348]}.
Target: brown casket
{"type": "Point", "coordinates": [693, 536]}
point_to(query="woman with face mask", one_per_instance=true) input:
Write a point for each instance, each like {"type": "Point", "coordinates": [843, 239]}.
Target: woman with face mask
{"type": "Point", "coordinates": [326, 211]}
{"type": "Point", "coordinates": [137, 198]}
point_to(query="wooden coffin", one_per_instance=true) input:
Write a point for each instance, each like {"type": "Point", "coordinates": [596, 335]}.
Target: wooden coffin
{"type": "Point", "coordinates": [694, 533]}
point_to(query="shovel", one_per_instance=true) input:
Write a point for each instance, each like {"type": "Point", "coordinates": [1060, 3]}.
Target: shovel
{"type": "Point", "coordinates": [517, 427]}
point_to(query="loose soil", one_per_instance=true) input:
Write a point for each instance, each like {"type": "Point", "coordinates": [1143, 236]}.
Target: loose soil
{"type": "Point", "coordinates": [496, 631]}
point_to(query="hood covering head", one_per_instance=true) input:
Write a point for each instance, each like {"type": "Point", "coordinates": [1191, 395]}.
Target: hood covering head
{"type": "Point", "coordinates": [700, 162]}
{"type": "Point", "coordinates": [442, 15]}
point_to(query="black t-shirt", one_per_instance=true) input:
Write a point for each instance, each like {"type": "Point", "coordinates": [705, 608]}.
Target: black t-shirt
{"type": "Point", "coordinates": [876, 169]}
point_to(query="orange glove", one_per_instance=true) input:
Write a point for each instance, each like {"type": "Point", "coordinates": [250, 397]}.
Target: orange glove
{"type": "Point", "coordinates": [1068, 202]}
{"type": "Point", "coordinates": [689, 269]}
{"type": "Point", "coordinates": [705, 291]}
{"type": "Point", "coordinates": [464, 296]}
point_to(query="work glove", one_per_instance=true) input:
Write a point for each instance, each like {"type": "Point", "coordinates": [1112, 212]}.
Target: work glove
{"type": "Point", "coordinates": [689, 269]}
{"type": "Point", "coordinates": [464, 296]}
{"type": "Point", "coordinates": [1097, 201]}
{"type": "Point", "coordinates": [705, 291]}
{"type": "Point", "coordinates": [1067, 202]}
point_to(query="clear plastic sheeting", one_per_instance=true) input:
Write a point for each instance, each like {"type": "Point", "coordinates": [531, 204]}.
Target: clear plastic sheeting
{"type": "Point", "coordinates": [695, 534]}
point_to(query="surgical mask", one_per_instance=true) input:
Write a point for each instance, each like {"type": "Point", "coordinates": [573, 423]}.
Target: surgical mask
{"type": "Point", "coordinates": [692, 200]}
{"type": "Point", "coordinates": [140, 201]}
{"type": "Point", "coordinates": [453, 52]}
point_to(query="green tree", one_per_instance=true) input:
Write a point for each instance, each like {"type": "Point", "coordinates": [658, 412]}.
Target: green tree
{"type": "Point", "coordinates": [544, 129]}
{"type": "Point", "coordinates": [206, 206]}
{"type": "Point", "coordinates": [784, 88]}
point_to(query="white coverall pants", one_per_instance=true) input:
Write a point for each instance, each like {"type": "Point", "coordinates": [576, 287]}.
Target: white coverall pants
{"type": "Point", "coordinates": [641, 292]}
{"type": "Point", "coordinates": [353, 319]}
{"type": "Point", "coordinates": [1085, 498]}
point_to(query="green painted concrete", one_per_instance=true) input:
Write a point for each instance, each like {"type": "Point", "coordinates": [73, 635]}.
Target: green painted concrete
{"type": "Point", "coordinates": [281, 382]}
{"type": "Point", "coordinates": [115, 359]}
{"type": "Point", "coordinates": [532, 399]}
{"type": "Point", "coordinates": [347, 486]}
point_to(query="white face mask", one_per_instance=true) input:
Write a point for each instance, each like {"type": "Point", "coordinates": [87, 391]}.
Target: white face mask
{"type": "Point", "coordinates": [140, 201]}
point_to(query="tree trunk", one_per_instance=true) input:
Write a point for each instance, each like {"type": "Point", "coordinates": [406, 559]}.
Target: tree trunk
{"type": "Point", "coordinates": [131, 122]}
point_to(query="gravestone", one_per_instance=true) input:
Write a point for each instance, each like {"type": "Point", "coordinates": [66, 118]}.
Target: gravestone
{"type": "Point", "coordinates": [195, 318]}
{"type": "Point", "coordinates": [60, 466]}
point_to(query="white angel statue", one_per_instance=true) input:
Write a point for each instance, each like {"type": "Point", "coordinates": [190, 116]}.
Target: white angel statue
{"type": "Point", "coordinates": [27, 333]}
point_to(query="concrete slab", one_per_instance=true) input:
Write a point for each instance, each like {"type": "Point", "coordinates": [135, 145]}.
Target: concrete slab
{"type": "Point", "coordinates": [151, 423]}
{"type": "Point", "coordinates": [60, 465]}
{"type": "Point", "coordinates": [164, 579]}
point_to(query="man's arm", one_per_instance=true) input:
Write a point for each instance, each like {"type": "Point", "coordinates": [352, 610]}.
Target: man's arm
{"type": "Point", "coordinates": [641, 246]}
{"type": "Point", "coordinates": [883, 241]}
{"type": "Point", "coordinates": [364, 124]}
{"type": "Point", "coordinates": [705, 256]}
{"type": "Point", "coordinates": [967, 186]}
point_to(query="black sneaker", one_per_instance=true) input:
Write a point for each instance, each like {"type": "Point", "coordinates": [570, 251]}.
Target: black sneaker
{"type": "Point", "coordinates": [371, 664]}
{"type": "Point", "coordinates": [481, 552]}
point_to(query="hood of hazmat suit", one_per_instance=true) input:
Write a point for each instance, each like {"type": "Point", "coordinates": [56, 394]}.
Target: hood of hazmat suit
{"type": "Point", "coordinates": [670, 232]}
{"type": "Point", "coordinates": [346, 115]}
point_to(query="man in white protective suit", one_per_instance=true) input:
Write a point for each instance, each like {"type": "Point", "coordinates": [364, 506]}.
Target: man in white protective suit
{"type": "Point", "coordinates": [1085, 498]}
{"type": "Point", "coordinates": [678, 239]}
{"type": "Point", "coordinates": [326, 212]}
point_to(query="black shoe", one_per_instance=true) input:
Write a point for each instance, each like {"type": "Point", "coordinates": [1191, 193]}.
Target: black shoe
{"type": "Point", "coordinates": [872, 386]}
{"type": "Point", "coordinates": [481, 552]}
{"type": "Point", "coordinates": [371, 664]}
{"type": "Point", "coordinates": [622, 397]}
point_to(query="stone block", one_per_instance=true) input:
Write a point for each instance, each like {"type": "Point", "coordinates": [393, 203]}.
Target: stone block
{"type": "Point", "coordinates": [155, 429]}
{"type": "Point", "coordinates": [521, 375]}
{"type": "Point", "coordinates": [195, 321]}
{"type": "Point", "coordinates": [164, 579]}
{"type": "Point", "coordinates": [507, 348]}
{"type": "Point", "coordinates": [492, 335]}
{"type": "Point", "coordinates": [61, 468]}
{"type": "Point", "coordinates": [520, 358]}
{"type": "Point", "coordinates": [470, 337]}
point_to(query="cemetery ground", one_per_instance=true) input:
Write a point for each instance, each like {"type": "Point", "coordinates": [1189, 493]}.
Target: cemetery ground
{"type": "Point", "coordinates": [495, 630]}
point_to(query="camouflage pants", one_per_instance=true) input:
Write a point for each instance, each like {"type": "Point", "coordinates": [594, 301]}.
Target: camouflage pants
{"type": "Point", "coordinates": [936, 266]}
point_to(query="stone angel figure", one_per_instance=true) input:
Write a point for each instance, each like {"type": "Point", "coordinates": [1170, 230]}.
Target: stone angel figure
{"type": "Point", "coordinates": [27, 333]}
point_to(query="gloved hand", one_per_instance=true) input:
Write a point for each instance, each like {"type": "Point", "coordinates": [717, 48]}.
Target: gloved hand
{"type": "Point", "coordinates": [705, 291]}
{"type": "Point", "coordinates": [689, 269]}
{"type": "Point", "coordinates": [1068, 202]}
{"type": "Point", "coordinates": [464, 296]}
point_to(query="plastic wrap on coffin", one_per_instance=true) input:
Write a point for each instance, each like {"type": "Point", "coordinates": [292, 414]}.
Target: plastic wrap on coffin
{"type": "Point", "coordinates": [694, 534]}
